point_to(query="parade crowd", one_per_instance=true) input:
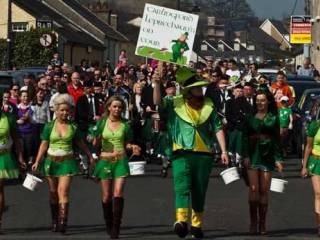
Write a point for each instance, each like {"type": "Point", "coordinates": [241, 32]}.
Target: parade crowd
{"type": "Point", "coordinates": [94, 119]}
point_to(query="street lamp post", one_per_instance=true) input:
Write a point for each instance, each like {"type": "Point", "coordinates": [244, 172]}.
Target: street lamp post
{"type": "Point", "coordinates": [9, 35]}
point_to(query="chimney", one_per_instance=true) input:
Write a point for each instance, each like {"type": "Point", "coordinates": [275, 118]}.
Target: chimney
{"type": "Point", "coordinates": [113, 21]}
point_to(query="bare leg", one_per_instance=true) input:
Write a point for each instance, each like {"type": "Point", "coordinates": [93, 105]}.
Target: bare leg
{"type": "Point", "coordinates": [316, 188]}
{"type": "Point", "coordinates": [253, 177]}
{"type": "Point", "coordinates": [63, 193]}
{"type": "Point", "coordinates": [118, 187]}
{"type": "Point", "coordinates": [1, 200]}
{"type": "Point", "coordinates": [265, 181]}
{"type": "Point", "coordinates": [54, 200]}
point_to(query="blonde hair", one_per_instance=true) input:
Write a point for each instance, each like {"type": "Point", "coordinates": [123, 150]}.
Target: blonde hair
{"type": "Point", "coordinates": [61, 99]}
{"type": "Point", "coordinates": [114, 99]}
{"type": "Point", "coordinates": [135, 86]}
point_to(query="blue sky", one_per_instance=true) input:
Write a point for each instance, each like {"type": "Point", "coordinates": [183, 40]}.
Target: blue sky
{"type": "Point", "coordinates": [275, 8]}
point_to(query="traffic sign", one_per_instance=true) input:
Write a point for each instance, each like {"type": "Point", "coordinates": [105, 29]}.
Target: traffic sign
{"type": "Point", "coordinates": [46, 40]}
{"type": "Point", "coordinates": [300, 29]}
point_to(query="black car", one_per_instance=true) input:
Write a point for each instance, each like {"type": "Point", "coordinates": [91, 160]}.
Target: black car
{"type": "Point", "coordinates": [304, 112]}
{"type": "Point", "coordinates": [5, 80]}
{"type": "Point", "coordinates": [300, 86]}
{"type": "Point", "coordinates": [291, 78]}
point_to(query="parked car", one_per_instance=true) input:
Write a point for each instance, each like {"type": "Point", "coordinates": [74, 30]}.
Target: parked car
{"type": "Point", "coordinates": [5, 80]}
{"type": "Point", "coordinates": [306, 110]}
{"type": "Point", "coordinates": [300, 86]}
{"type": "Point", "coordinates": [294, 77]}
{"type": "Point", "coordinates": [271, 73]}
{"type": "Point", "coordinates": [18, 75]}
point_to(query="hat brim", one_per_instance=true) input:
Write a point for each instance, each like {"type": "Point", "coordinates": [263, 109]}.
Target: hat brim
{"type": "Point", "coordinates": [196, 84]}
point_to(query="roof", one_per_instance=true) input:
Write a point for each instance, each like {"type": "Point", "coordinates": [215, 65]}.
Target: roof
{"type": "Point", "coordinates": [97, 22]}
{"type": "Point", "coordinates": [279, 25]}
{"type": "Point", "coordinates": [65, 28]}
{"type": "Point", "coordinates": [257, 35]}
{"type": "Point", "coordinates": [132, 31]}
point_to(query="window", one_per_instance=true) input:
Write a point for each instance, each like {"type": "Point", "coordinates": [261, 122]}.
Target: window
{"type": "Point", "coordinates": [236, 46]}
{"type": "Point", "coordinates": [221, 47]}
{"type": "Point", "coordinates": [220, 33]}
{"type": "Point", "coordinates": [19, 26]}
{"type": "Point", "coordinates": [251, 47]}
{"type": "Point", "coordinates": [204, 47]}
{"type": "Point", "coordinates": [211, 21]}
{"type": "Point", "coordinates": [211, 32]}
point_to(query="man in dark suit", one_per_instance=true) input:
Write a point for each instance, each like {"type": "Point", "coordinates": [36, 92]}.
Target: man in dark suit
{"type": "Point", "coordinates": [219, 94]}
{"type": "Point", "coordinates": [86, 115]}
{"type": "Point", "coordinates": [237, 108]}
{"type": "Point", "coordinates": [87, 108]}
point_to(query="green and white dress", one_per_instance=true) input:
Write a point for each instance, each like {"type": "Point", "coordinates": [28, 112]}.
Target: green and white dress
{"type": "Point", "coordinates": [262, 142]}
{"type": "Point", "coordinates": [60, 146]}
{"type": "Point", "coordinates": [314, 158]}
{"type": "Point", "coordinates": [8, 165]}
{"type": "Point", "coordinates": [112, 141]}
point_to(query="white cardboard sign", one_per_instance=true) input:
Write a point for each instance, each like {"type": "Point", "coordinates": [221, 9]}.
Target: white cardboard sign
{"type": "Point", "coordinates": [167, 34]}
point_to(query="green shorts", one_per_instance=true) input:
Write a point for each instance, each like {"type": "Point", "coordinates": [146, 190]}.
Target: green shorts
{"type": "Point", "coordinates": [68, 167]}
{"type": "Point", "coordinates": [108, 170]}
{"type": "Point", "coordinates": [313, 166]}
{"type": "Point", "coordinates": [8, 166]}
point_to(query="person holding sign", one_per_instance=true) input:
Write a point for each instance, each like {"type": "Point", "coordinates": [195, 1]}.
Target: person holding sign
{"type": "Point", "coordinates": [192, 124]}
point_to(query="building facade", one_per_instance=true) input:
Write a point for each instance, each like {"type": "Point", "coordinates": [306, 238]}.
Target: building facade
{"type": "Point", "coordinates": [315, 46]}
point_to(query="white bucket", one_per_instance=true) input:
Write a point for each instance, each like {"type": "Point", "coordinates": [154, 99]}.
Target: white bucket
{"type": "Point", "coordinates": [230, 175]}
{"type": "Point", "coordinates": [137, 168]}
{"type": "Point", "coordinates": [31, 182]}
{"type": "Point", "coordinates": [278, 185]}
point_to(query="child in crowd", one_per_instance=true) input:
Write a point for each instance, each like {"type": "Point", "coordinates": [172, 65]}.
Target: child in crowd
{"type": "Point", "coordinates": [286, 121]}
{"type": "Point", "coordinates": [26, 128]}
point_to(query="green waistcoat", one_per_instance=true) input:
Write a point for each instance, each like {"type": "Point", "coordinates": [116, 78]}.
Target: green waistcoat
{"type": "Point", "coordinates": [181, 128]}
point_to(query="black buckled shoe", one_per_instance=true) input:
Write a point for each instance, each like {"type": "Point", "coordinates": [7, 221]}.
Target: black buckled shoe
{"type": "Point", "coordinates": [181, 229]}
{"type": "Point", "coordinates": [196, 233]}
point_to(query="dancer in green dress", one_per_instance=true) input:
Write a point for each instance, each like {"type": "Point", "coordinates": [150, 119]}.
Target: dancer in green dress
{"type": "Point", "coordinates": [59, 163]}
{"type": "Point", "coordinates": [262, 153]}
{"type": "Point", "coordinates": [113, 136]}
{"type": "Point", "coordinates": [311, 164]}
{"type": "Point", "coordinates": [193, 125]}
{"type": "Point", "coordinates": [9, 167]}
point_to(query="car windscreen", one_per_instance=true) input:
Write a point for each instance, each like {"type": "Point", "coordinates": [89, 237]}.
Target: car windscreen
{"type": "Point", "coordinates": [300, 87]}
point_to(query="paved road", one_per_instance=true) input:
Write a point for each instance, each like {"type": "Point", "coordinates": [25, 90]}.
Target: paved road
{"type": "Point", "coordinates": [149, 210]}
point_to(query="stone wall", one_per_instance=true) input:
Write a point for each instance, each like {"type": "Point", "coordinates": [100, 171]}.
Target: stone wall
{"type": "Point", "coordinates": [315, 47]}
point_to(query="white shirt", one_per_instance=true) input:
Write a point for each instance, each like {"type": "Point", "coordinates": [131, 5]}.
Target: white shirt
{"type": "Point", "coordinates": [234, 74]}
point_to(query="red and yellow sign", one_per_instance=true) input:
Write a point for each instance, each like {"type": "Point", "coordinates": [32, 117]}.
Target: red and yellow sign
{"type": "Point", "coordinates": [300, 30]}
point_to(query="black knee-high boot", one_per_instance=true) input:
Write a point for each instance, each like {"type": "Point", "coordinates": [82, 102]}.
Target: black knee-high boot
{"type": "Point", "coordinates": [54, 216]}
{"type": "Point", "coordinates": [263, 209]}
{"type": "Point", "coordinates": [118, 203]}
{"type": "Point", "coordinates": [108, 215]}
{"type": "Point", "coordinates": [63, 216]}
{"type": "Point", "coordinates": [253, 207]}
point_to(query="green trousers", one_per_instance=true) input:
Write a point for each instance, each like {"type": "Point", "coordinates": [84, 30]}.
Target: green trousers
{"type": "Point", "coordinates": [191, 174]}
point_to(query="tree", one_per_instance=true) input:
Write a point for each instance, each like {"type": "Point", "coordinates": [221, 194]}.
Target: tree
{"type": "Point", "coordinates": [3, 52]}
{"type": "Point", "coordinates": [230, 9]}
{"type": "Point", "coordinates": [27, 50]}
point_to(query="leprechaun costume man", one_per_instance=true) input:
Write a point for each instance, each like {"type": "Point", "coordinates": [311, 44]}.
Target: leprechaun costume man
{"type": "Point", "coordinates": [179, 47]}
{"type": "Point", "coordinates": [192, 125]}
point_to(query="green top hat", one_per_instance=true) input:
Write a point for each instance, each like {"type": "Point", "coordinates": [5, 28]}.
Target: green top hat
{"type": "Point", "coordinates": [188, 78]}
